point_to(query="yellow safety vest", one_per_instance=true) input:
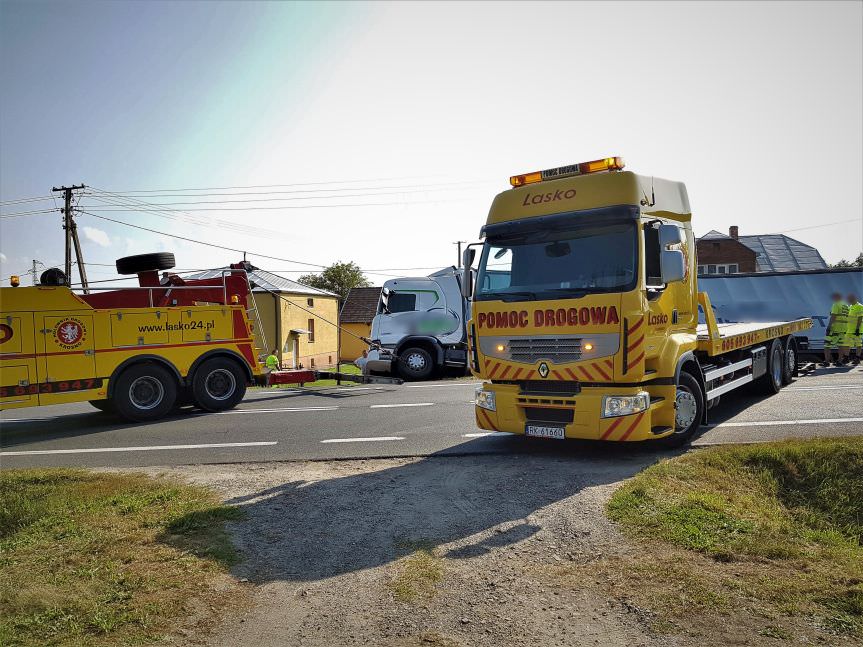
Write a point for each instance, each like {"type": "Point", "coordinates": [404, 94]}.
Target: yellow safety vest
{"type": "Point", "coordinates": [855, 319]}
{"type": "Point", "coordinates": [839, 310]}
{"type": "Point", "coordinates": [272, 361]}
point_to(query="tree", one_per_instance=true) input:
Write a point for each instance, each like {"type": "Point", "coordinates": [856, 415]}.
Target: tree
{"type": "Point", "coordinates": [338, 277]}
{"type": "Point", "coordinates": [857, 262]}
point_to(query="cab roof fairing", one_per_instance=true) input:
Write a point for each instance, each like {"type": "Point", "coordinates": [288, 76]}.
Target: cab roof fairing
{"type": "Point", "coordinates": [654, 196]}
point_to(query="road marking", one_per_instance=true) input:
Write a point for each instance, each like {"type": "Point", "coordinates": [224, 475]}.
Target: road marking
{"type": "Point", "coordinates": [235, 411]}
{"type": "Point", "coordinates": [481, 434]}
{"type": "Point", "coordinates": [27, 419]}
{"type": "Point", "coordinates": [825, 388]}
{"type": "Point", "coordinates": [431, 386]}
{"type": "Point", "coordinates": [405, 404]}
{"type": "Point", "coordinates": [778, 423]}
{"type": "Point", "coordinates": [362, 440]}
{"type": "Point", "coordinates": [136, 449]}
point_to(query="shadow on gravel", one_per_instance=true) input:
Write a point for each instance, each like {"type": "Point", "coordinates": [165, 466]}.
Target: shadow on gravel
{"type": "Point", "coordinates": [307, 531]}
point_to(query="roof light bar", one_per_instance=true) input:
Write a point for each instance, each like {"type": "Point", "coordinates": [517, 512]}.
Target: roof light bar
{"type": "Point", "coordinates": [584, 168]}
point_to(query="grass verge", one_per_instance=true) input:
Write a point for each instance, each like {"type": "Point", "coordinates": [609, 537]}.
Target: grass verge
{"type": "Point", "coordinates": [417, 573]}
{"type": "Point", "coordinates": [773, 530]}
{"type": "Point", "coordinates": [106, 559]}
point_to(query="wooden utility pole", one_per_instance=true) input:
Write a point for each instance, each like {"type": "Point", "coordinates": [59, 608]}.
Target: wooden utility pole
{"type": "Point", "coordinates": [459, 242]}
{"type": "Point", "coordinates": [72, 236]}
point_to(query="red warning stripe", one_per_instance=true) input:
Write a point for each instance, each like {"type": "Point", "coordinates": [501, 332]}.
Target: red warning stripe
{"type": "Point", "coordinates": [557, 375]}
{"type": "Point", "coordinates": [571, 374]}
{"type": "Point", "coordinates": [505, 371]}
{"type": "Point", "coordinates": [635, 344]}
{"type": "Point", "coordinates": [614, 425]}
{"type": "Point", "coordinates": [486, 420]}
{"type": "Point", "coordinates": [636, 326]}
{"type": "Point", "coordinates": [493, 370]}
{"type": "Point", "coordinates": [598, 368]}
{"type": "Point", "coordinates": [586, 373]}
{"type": "Point", "coordinates": [517, 373]}
{"type": "Point", "coordinates": [610, 363]}
{"type": "Point", "coordinates": [636, 360]}
{"type": "Point", "coordinates": [632, 426]}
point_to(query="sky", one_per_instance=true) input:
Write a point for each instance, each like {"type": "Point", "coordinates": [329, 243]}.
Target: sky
{"type": "Point", "coordinates": [379, 133]}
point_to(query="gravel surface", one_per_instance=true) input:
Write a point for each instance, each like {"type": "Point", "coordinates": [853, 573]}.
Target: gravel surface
{"type": "Point", "coordinates": [323, 543]}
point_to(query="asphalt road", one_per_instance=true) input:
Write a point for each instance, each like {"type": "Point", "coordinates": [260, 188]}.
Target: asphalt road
{"type": "Point", "coordinates": [389, 421]}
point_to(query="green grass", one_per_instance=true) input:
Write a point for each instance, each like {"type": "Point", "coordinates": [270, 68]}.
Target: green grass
{"type": "Point", "coordinates": [417, 573]}
{"type": "Point", "coordinates": [104, 559]}
{"type": "Point", "coordinates": [348, 368]}
{"type": "Point", "coordinates": [778, 524]}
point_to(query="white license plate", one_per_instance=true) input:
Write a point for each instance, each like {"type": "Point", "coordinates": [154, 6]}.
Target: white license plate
{"type": "Point", "coordinates": [545, 432]}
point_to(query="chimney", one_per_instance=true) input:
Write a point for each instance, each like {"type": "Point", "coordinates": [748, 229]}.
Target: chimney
{"type": "Point", "coordinates": [732, 231]}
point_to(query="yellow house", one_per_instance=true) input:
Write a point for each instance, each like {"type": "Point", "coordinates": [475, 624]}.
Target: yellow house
{"type": "Point", "coordinates": [297, 321]}
{"type": "Point", "coordinates": [356, 316]}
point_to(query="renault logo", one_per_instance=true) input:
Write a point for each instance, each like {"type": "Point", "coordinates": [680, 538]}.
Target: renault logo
{"type": "Point", "coordinates": [543, 369]}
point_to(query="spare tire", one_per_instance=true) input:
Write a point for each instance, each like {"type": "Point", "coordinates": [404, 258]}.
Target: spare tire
{"type": "Point", "coordinates": [145, 263]}
{"type": "Point", "coordinates": [53, 276]}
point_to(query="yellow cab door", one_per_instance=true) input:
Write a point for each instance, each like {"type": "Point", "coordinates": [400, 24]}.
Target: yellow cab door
{"type": "Point", "coordinates": [18, 379]}
{"type": "Point", "coordinates": [69, 360]}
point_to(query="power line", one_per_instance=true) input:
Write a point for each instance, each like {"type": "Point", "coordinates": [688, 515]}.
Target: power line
{"type": "Point", "coordinates": [23, 200]}
{"type": "Point", "coordinates": [19, 214]}
{"type": "Point", "coordinates": [275, 186]}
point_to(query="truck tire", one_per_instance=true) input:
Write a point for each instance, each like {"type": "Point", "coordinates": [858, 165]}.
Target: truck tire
{"type": "Point", "coordinates": [103, 405]}
{"type": "Point", "coordinates": [789, 364]}
{"type": "Point", "coordinates": [772, 380]}
{"type": "Point", "coordinates": [688, 410]}
{"type": "Point", "coordinates": [145, 263]}
{"type": "Point", "coordinates": [218, 384]}
{"type": "Point", "coordinates": [144, 391]}
{"type": "Point", "coordinates": [415, 364]}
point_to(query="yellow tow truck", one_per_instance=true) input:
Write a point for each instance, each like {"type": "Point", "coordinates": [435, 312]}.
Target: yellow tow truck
{"type": "Point", "coordinates": [585, 313]}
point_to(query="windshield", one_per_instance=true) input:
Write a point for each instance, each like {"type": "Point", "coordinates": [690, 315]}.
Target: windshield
{"type": "Point", "coordinates": [558, 263]}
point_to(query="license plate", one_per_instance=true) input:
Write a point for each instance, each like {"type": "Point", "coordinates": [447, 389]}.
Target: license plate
{"type": "Point", "coordinates": [542, 431]}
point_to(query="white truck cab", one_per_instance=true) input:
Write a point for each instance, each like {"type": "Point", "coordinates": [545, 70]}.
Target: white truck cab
{"type": "Point", "coordinates": [419, 327]}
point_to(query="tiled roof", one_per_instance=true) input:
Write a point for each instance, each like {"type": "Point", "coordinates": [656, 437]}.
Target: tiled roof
{"type": "Point", "coordinates": [264, 281]}
{"type": "Point", "coordinates": [360, 306]}
{"type": "Point", "coordinates": [713, 234]}
{"type": "Point", "coordinates": [779, 253]}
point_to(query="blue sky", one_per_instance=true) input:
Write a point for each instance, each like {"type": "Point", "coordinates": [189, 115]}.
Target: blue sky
{"type": "Point", "coordinates": [757, 107]}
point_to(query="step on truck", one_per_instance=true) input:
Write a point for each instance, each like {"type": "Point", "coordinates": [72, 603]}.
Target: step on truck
{"type": "Point", "coordinates": [139, 352]}
{"type": "Point", "coordinates": [585, 313]}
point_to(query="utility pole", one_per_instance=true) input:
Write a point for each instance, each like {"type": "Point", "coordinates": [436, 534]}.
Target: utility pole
{"type": "Point", "coordinates": [35, 271]}
{"type": "Point", "coordinates": [459, 242]}
{"type": "Point", "coordinates": [72, 236]}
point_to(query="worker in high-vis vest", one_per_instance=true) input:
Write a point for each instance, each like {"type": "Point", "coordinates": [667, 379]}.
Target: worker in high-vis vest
{"type": "Point", "coordinates": [836, 326]}
{"type": "Point", "coordinates": [272, 362]}
{"type": "Point", "coordinates": [854, 331]}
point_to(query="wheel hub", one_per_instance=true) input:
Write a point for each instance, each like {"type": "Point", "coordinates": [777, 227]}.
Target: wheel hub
{"type": "Point", "coordinates": [220, 384]}
{"type": "Point", "coordinates": [146, 392]}
{"type": "Point", "coordinates": [416, 362]}
{"type": "Point", "coordinates": [686, 408]}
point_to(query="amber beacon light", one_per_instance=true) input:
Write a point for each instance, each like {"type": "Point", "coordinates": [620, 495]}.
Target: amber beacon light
{"type": "Point", "coordinates": [583, 168]}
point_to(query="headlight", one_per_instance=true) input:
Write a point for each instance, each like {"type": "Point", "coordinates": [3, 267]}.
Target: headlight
{"type": "Point", "coordinates": [485, 399]}
{"type": "Point", "coordinates": [624, 405]}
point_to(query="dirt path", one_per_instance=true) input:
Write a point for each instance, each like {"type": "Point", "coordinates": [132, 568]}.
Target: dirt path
{"type": "Point", "coordinates": [330, 550]}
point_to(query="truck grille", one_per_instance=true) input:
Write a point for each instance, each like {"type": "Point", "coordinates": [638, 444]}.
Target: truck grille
{"type": "Point", "coordinates": [553, 350]}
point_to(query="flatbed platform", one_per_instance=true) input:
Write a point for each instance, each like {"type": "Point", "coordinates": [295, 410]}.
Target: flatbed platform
{"type": "Point", "coordinates": [732, 336]}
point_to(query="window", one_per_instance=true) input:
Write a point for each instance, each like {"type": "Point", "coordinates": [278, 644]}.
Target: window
{"type": "Point", "coordinates": [724, 268]}
{"type": "Point", "coordinates": [652, 266]}
{"type": "Point", "coordinates": [402, 302]}
{"type": "Point", "coordinates": [310, 302]}
{"type": "Point", "coordinates": [311, 331]}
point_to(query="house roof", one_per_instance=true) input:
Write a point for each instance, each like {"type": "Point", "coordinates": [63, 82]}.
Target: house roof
{"type": "Point", "coordinates": [779, 253]}
{"type": "Point", "coordinates": [714, 235]}
{"type": "Point", "coordinates": [267, 281]}
{"type": "Point", "coordinates": [360, 305]}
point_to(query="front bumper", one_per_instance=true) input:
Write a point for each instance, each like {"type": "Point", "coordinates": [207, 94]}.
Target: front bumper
{"type": "Point", "coordinates": [377, 361]}
{"type": "Point", "coordinates": [514, 410]}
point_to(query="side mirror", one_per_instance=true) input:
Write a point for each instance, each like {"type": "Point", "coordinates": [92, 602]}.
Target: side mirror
{"type": "Point", "coordinates": [467, 282]}
{"type": "Point", "coordinates": [672, 265]}
{"type": "Point", "coordinates": [669, 235]}
{"type": "Point", "coordinates": [385, 298]}
{"type": "Point", "coordinates": [467, 257]}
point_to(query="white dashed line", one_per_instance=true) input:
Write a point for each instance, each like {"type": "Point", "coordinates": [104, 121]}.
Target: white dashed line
{"type": "Point", "coordinates": [236, 411]}
{"type": "Point", "coordinates": [779, 423]}
{"type": "Point", "coordinates": [482, 434]}
{"type": "Point", "coordinates": [27, 419]}
{"type": "Point", "coordinates": [405, 404]}
{"type": "Point", "coordinates": [362, 440]}
{"type": "Point", "coordinates": [823, 388]}
{"type": "Point", "coordinates": [151, 448]}
{"type": "Point", "coordinates": [432, 386]}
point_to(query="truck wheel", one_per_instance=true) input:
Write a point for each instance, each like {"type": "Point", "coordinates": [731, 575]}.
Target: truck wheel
{"type": "Point", "coordinates": [789, 366]}
{"type": "Point", "coordinates": [771, 382]}
{"type": "Point", "coordinates": [415, 364]}
{"type": "Point", "coordinates": [145, 263]}
{"type": "Point", "coordinates": [103, 405]}
{"type": "Point", "coordinates": [144, 392]}
{"type": "Point", "coordinates": [219, 384]}
{"type": "Point", "coordinates": [688, 411]}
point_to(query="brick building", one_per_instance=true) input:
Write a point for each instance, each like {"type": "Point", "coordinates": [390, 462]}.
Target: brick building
{"type": "Point", "coordinates": [733, 254]}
